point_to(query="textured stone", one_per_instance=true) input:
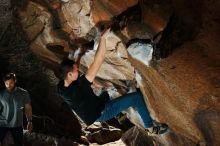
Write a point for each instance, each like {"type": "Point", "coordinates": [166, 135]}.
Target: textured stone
{"type": "Point", "coordinates": [5, 15]}
{"type": "Point", "coordinates": [75, 20]}
{"type": "Point", "coordinates": [37, 23]}
{"type": "Point", "coordinates": [137, 136]}
{"type": "Point", "coordinates": [156, 14]}
{"type": "Point", "coordinates": [115, 143]}
{"type": "Point", "coordinates": [169, 91]}
{"type": "Point", "coordinates": [116, 65]}
{"type": "Point", "coordinates": [104, 136]}
{"type": "Point", "coordinates": [104, 11]}
{"type": "Point", "coordinates": [142, 52]}
{"type": "Point", "coordinates": [38, 139]}
{"type": "Point", "coordinates": [136, 30]}
{"type": "Point", "coordinates": [181, 90]}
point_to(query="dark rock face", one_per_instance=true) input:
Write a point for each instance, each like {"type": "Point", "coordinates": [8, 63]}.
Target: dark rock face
{"type": "Point", "coordinates": [183, 25]}
{"type": "Point", "coordinates": [102, 134]}
{"type": "Point", "coordinates": [137, 137]}
{"type": "Point", "coordinates": [49, 115]}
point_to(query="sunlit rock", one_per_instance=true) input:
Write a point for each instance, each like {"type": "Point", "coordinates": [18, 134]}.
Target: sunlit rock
{"type": "Point", "coordinates": [142, 52]}
{"type": "Point", "coordinates": [75, 20]}
{"type": "Point", "coordinates": [116, 65]}
{"type": "Point", "coordinates": [104, 11]}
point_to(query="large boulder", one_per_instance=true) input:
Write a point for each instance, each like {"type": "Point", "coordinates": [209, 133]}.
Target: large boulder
{"type": "Point", "coordinates": [37, 23]}
{"type": "Point", "coordinates": [180, 81]}
{"type": "Point", "coordinates": [116, 65]}
{"type": "Point", "coordinates": [75, 20]}
{"type": "Point", "coordinates": [182, 90]}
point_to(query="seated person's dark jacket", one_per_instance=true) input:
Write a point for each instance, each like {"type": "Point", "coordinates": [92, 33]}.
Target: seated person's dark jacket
{"type": "Point", "coordinates": [81, 98]}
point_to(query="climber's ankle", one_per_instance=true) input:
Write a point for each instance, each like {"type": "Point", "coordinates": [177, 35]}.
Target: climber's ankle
{"type": "Point", "coordinates": [156, 130]}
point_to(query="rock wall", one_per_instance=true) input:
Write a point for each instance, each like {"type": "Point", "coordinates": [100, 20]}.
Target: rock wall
{"type": "Point", "coordinates": [182, 89]}
{"type": "Point", "coordinates": [180, 80]}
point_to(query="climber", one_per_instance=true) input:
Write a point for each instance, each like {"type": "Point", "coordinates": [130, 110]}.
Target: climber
{"type": "Point", "coordinates": [78, 94]}
{"type": "Point", "coordinates": [13, 100]}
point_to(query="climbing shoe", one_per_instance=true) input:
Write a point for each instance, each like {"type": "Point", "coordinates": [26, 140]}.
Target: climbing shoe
{"type": "Point", "coordinates": [157, 130]}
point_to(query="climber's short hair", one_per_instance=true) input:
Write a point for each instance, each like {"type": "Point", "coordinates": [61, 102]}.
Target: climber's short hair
{"type": "Point", "coordinates": [9, 76]}
{"type": "Point", "coordinates": [65, 67]}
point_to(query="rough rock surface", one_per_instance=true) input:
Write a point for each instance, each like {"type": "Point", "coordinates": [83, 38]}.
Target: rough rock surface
{"type": "Point", "coordinates": [180, 82]}
{"type": "Point", "coordinates": [156, 9]}
{"type": "Point", "coordinates": [37, 23]}
{"type": "Point", "coordinates": [181, 89]}
{"type": "Point", "coordinates": [103, 11]}
{"type": "Point", "coordinates": [96, 134]}
{"type": "Point", "coordinates": [116, 60]}
{"type": "Point", "coordinates": [102, 134]}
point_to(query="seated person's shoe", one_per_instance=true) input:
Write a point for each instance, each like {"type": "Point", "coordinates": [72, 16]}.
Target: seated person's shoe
{"type": "Point", "coordinates": [157, 130]}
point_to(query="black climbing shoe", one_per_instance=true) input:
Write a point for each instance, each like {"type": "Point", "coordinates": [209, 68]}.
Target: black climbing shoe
{"type": "Point", "coordinates": [157, 130]}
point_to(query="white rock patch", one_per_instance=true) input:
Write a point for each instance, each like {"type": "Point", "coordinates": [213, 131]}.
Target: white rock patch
{"type": "Point", "coordinates": [142, 52]}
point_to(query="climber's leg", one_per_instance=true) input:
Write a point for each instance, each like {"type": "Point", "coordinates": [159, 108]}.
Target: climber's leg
{"type": "Point", "coordinates": [115, 106]}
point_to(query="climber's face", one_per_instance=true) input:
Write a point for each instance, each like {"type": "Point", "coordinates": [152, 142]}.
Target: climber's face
{"type": "Point", "coordinates": [73, 75]}
{"type": "Point", "coordinates": [10, 84]}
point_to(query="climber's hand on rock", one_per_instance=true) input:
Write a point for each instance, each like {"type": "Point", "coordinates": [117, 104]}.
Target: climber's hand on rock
{"type": "Point", "coordinates": [105, 33]}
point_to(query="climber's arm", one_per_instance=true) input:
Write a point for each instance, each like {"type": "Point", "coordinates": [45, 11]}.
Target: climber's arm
{"type": "Point", "coordinates": [99, 57]}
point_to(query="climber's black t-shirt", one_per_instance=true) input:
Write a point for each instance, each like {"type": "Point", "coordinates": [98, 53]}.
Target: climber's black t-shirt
{"type": "Point", "coordinates": [81, 98]}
